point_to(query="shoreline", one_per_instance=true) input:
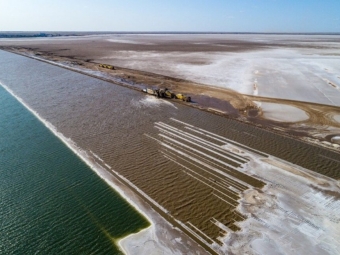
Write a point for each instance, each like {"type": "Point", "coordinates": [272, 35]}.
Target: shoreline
{"type": "Point", "coordinates": [129, 195]}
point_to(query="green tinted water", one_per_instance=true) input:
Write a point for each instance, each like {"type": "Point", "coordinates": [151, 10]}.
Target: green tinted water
{"type": "Point", "coordinates": [51, 202]}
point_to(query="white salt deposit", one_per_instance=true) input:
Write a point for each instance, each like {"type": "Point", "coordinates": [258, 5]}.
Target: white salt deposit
{"type": "Point", "coordinates": [337, 118]}
{"type": "Point", "coordinates": [291, 215]}
{"type": "Point", "coordinates": [283, 113]}
{"type": "Point", "coordinates": [298, 73]}
{"type": "Point", "coordinates": [336, 139]}
{"type": "Point", "coordinates": [118, 40]}
{"type": "Point", "coordinates": [151, 101]}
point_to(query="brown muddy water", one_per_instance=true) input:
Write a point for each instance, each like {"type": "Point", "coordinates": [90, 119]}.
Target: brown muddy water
{"type": "Point", "coordinates": [171, 152]}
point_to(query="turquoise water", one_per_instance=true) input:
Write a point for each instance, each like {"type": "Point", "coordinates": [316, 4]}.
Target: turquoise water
{"type": "Point", "coordinates": [51, 202]}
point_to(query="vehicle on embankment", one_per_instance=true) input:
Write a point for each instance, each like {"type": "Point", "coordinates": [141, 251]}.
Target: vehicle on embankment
{"type": "Point", "coordinates": [107, 66]}
{"type": "Point", "coordinates": [165, 93]}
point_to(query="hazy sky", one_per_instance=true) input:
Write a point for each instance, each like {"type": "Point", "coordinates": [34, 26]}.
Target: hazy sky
{"type": "Point", "coordinates": [171, 15]}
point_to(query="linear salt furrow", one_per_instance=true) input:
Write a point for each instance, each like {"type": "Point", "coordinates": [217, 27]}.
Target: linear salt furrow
{"type": "Point", "coordinates": [206, 165]}
{"type": "Point", "coordinates": [230, 185]}
{"type": "Point", "coordinates": [194, 140]}
{"type": "Point", "coordinates": [195, 234]}
{"type": "Point", "coordinates": [203, 133]}
{"type": "Point", "coordinates": [201, 140]}
{"type": "Point", "coordinates": [203, 181]}
{"type": "Point", "coordinates": [109, 167]}
{"type": "Point", "coordinates": [232, 156]}
{"type": "Point", "coordinates": [222, 199]}
{"type": "Point", "coordinates": [234, 205]}
{"type": "Point", "coordinates": [199, 152]}
{"type": "Point", "coordinates": [212, 181]}
{"type": "Point", "coordinates": [181, 122]}
{"type": "Point", "coordinates": [229, 188]}
{"type": "Point", "coordinates": [166, 155]}
{"type": "Point", "coordinates": [230, 152]}
{"type": "Point", "coordinates": [238, 184]}
{"type": "Point", "coordinates": [141, 192]}
{"type": "Point", "coordinates": [239, 188]}
{"type": "Point", "coordinates": [175, 161]}
{"type": "Point", "coordinates": [247, 133]}
{"type": "Point", "coordinates": [221, 137]}
{"type": "Point", "coordinates": [203, 159]}
{"type": "Point", "coordinates": [323, 156]}
{"type": "Point", "coordinates": [226, 140]}
{"type": "Point", "coordinates": [201, 232]}
{"type": "Point", "coordinates": [96, 156]}
{"type": "Point", "coordinates": [218, 178]}
{"type": "Point", "coordinates": [237, 144]}
{"type": "Point", "coordinates": [225, 188]}
{"type": "Point", "coordinates": [200, 162]}
{"type": "Point", "coordinates": [206, 155]}
{"type": "Point", "coordinates": [211, 163]}
{"type": "Point", "coordinates": [221, 225]}
{"type": "Point", "coordinates": [167, 144]}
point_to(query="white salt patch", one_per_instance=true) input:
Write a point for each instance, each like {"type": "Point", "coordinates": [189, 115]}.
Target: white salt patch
{"type": "Point", "coordinates": [128, 41]}
{"type": "Point", "coordinates": [308, 230]}
{"type": "Point", "coordinates": [283, 113]}
{"type": "Point", "coordinates": [265, 246]}
{"type": "Point", "coordinates": [296, 74]}
{"type": "Point", "coordinates": [337, 118]}
{"type": "Point", "coordinates": [151, 101]}
{"type": "Point", "coordinates": [336, 139]}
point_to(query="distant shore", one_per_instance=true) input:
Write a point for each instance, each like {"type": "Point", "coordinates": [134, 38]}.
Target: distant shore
{"type": "Point", "coordinates": [33, 34]}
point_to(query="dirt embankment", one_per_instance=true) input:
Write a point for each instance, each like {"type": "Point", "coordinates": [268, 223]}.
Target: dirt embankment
{"type": "Point", "coordinates": [221, 101]}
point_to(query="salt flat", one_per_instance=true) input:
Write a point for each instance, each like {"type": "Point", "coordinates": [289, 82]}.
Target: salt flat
{"type": "Point", "coordinates": [295, 67]}
{"type": "Point", "coordinates": [289, 67]}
